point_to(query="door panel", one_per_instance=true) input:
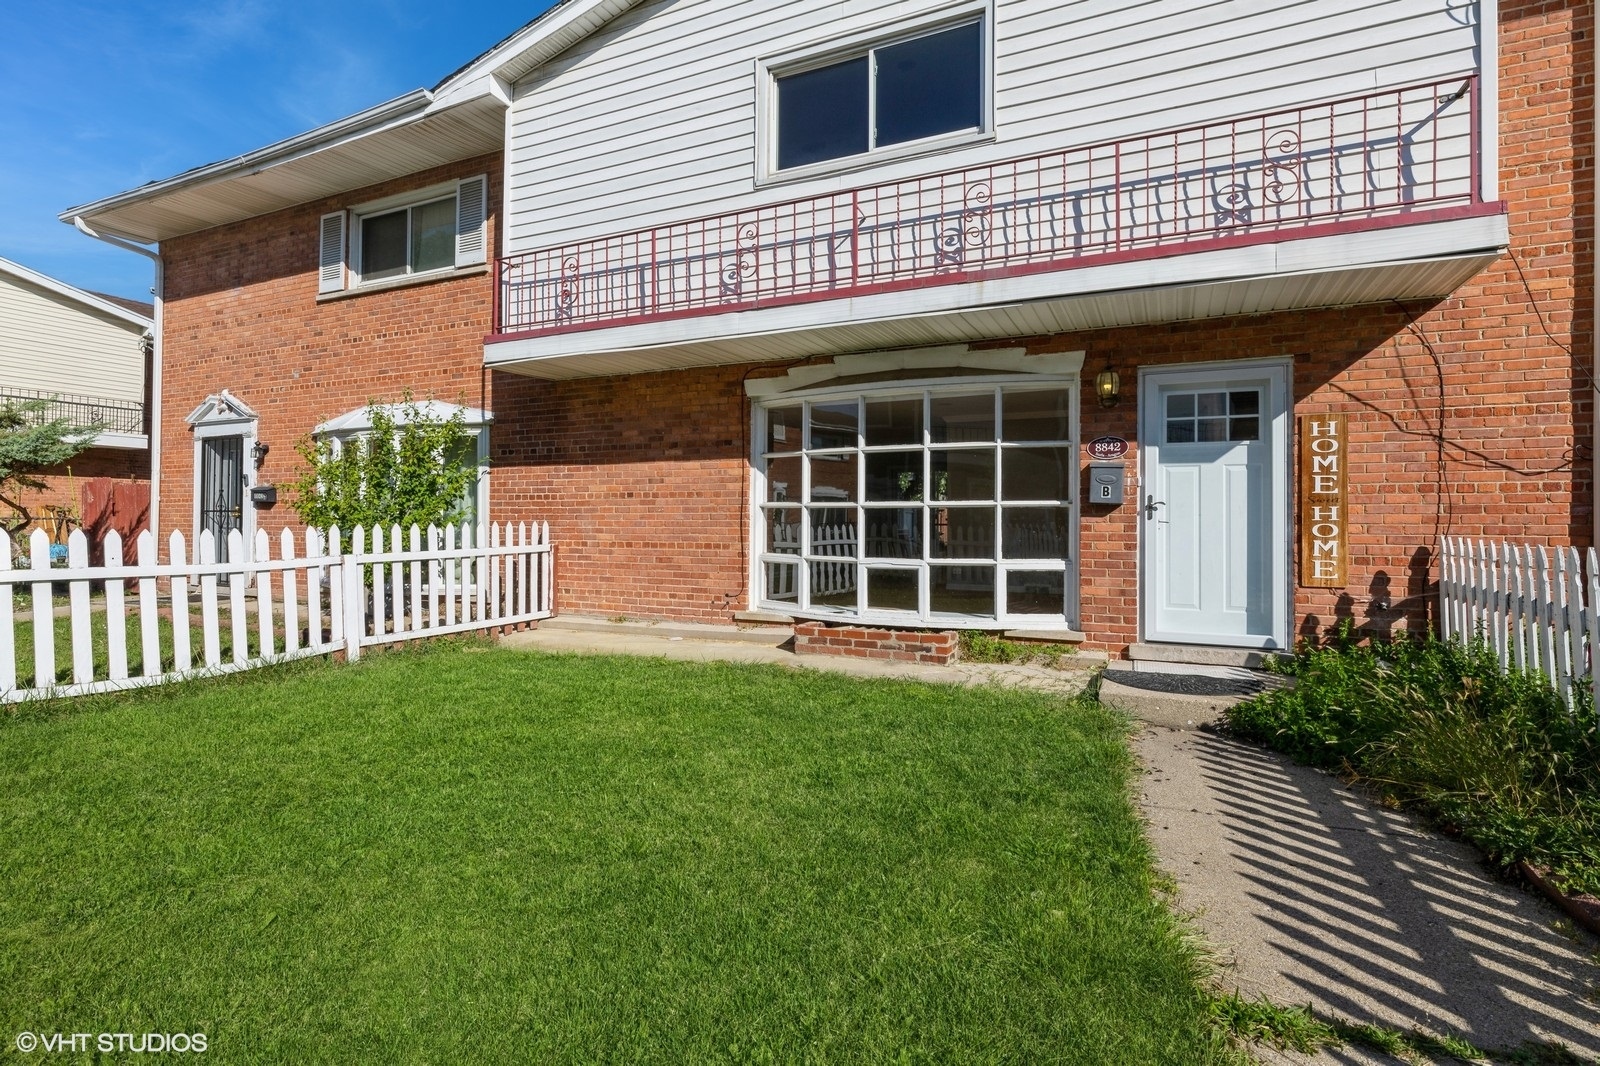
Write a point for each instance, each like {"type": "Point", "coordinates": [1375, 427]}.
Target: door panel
{"type": "Point", "coordinates": [222, 489]}
{"type": "Point", "coordinates": [1214, 451]}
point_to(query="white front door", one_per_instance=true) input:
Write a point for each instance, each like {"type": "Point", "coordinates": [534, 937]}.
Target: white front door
{"type": "Point", "coordinates": [1214, 453]}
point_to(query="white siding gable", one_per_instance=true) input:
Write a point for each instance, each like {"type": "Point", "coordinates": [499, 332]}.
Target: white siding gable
{"type": "Point", "coordinates": [653, 119]}
{"type": "Point", "coordinates": [51, 343]}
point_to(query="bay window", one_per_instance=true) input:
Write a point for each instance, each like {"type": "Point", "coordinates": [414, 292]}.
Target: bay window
{"type": "Point", "coordinates": [945, 503]}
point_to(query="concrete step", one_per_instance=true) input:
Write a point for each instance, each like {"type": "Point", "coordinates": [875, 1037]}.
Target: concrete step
{"type": "Point", "coordinates": [766, 636]}
{"type": "Point", "coordinates": [1182, 698]}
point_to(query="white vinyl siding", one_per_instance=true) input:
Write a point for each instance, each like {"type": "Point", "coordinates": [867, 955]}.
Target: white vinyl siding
{"type": "Point", "coordinates": [654, 118]}
{"type": "Point", "coordinates": [53, 344]}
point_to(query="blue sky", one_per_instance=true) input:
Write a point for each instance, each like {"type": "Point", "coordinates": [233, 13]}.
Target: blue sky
{"type": "Point", "coordinates": [102, 97]}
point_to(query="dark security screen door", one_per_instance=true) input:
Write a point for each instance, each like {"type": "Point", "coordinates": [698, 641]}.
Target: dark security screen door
{"type": "Point", "coordinates": [222, 489]}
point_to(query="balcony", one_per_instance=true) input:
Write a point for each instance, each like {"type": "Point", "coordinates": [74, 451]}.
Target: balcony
{"type": "Point", "coordinates": [119, 423]}
{"type": "Point", "coordinates": [955, 243]}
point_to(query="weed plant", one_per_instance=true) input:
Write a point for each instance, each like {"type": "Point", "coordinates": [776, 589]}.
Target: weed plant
{"type": "Point", "coordinates": [980, 647]}
{"type": "Point", "coordinates": [1439, 726]}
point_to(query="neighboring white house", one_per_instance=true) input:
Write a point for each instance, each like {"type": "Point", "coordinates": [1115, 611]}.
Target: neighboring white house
{"type": "Point", "coordinates": [83, 351]}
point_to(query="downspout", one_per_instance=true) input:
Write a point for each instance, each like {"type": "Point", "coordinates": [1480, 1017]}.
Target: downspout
{"type": "Point", "coordinates": [154, 424]}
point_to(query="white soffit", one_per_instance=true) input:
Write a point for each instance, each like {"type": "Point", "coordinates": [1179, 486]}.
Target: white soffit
{"type": "Point", "coordinates": [401, 137]}
{"type": "Point", "coordinates": [1413, 280]}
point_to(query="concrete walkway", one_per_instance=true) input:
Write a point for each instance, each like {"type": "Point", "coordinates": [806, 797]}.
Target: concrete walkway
{"type": "Point", "coordinates": [1311, 894]}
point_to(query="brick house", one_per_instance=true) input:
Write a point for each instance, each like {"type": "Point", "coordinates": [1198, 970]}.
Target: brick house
{"type": "Point", "coordinates": [1156, 329]}
{"type": "Point", "coordinates": [85, 354]}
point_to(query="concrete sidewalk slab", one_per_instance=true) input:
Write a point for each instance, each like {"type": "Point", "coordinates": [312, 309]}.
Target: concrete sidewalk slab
{"type": "Point", "coordinates": [1312, 894]}
{"type": "Point", "coordinates": [636, 640]}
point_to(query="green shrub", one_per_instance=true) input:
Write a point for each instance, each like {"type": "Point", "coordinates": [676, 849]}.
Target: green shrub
{"type": "Point", "coordinates": [1439, 726]}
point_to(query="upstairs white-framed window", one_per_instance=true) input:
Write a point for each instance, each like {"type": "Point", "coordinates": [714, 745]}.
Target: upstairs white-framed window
{"type": "Point", "coordinates": [415, 235]}
{"type": "Point", "coordinates": [920, 503]}
{"type": "Point", "coordinates": [866, 101]}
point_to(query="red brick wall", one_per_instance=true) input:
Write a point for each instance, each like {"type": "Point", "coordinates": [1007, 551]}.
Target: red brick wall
{"type": "Point", "coordinates": [242, 314]}
{"type": "Point", "coordinates": [65, 485]}
{"type": "Point", "coordinates": [1465, 417]}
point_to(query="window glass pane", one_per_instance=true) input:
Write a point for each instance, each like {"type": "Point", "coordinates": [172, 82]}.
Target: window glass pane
{"type": "Point", "coordinates": [1181, 405]}
{"type": "Point", "coordinates": [894, 421]}
{"type": "Point", "coordinates": [822, 113]}
{"type": "Point", "coordinates": [893, 590]}
{"type": "Point", "coordinates": [833, 531]}
{"type": "Point", "coordinates": [894, 476]}
{"type": "Point", "coordinates": [962, 532]}
{"type": "Point", "coordinates": [1212, 403]}
{"type": "Point", "coordinates": [383, 246]}
{"type": "Point", "coordinates": [833, 479]}
{"type": "Point", "coordinates": [1244, 428]}
{"type": "Point", "coordinates": [931, 85]}
{"type": "Point", "coordinates": [962, 419]}
{"type": "Point", "coordinates": [783, 429]}
{"type": "Point", "coordinates": [1036, 592]}
{"type": "Point", "coordinates": [433, 235]}
{"type": "Point", "coordinates": [783, 531]}
{"type": "Point", "coordinates": [1036, 473]}
{"type": "Point", "coordinates": [833, 425]}
{"type": "Point", "coordinates": [465, 455]}
{"type": "Point", "coordinates": [1034, 415]}
{"type": "Point", "coordinates": [780, 581]}
{"type": "Point", "coordinates": [961, 590]}
{"type": "Point", "coordinates": [1212, 429]}
{"type": "Point", "coordinates": [894, 532]}
{"type": "Point", "coordinates": [833, 584]}
{"type": "Point", "coordinates": [1244, 403]}
{"type": "Point", "coordinates": [1180, 432]}
{"type": "Point", "coordinates": [967, 474]}
{"type": "Point", "coordinates": [783, 480]}
{"type": "Point", "coordinates": [1034, 532]}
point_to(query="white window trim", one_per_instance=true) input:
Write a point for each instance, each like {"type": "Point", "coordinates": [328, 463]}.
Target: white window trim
{"type": "Point", "coordinates": [848, 46]}
{"type": "Point", "coordinates": [225, 415]}
{"type": "Point", "coordinates": [404, 201]}
{"type": "Point", "coordinates": [1059, 372]}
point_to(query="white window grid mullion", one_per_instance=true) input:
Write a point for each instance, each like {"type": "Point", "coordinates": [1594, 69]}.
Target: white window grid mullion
{"type": "Point", "coordinates": [802, 582]}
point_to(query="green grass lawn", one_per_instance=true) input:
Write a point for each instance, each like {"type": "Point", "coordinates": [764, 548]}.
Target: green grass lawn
{"type": "Point", "coordinates": [466, 854]}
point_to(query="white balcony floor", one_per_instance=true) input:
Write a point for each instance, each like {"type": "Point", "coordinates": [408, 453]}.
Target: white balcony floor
{"type": "Point", "coordinates": [1400, 262]}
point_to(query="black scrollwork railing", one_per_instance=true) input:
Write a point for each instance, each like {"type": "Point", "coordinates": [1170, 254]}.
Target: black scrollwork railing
{"type": "Point", "coordinates": [82, 412]}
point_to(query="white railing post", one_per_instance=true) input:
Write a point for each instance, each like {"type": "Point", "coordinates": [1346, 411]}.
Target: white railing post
{"type": "Point", "coordinates": [8, 653]}
{"type": "Point", "coordinates": [44, 622]}
{"type": "Point", "coordinates": [355, 617]}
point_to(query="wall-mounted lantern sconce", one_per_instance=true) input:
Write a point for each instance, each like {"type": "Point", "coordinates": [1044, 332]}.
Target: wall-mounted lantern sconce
{"type": "Point", "coordinates": [258, 452]}
{"type": "Point", "coordinates": [1106, 384]}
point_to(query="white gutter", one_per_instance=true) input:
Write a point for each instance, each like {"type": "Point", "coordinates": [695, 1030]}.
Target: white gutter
{"type": "Point", "coordinates": [155, 371]}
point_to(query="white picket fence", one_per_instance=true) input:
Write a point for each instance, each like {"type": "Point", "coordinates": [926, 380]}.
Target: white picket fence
{"type": "Point", "coordinates": [314, 598]}
{"type": "Point", "coordinates": [1534, 606]}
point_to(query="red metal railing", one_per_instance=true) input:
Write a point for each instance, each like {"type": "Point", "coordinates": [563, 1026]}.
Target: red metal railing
{"type": "Point", "coordinates": [1368, 159]}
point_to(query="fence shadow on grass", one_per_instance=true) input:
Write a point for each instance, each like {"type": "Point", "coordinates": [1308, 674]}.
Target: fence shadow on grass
{"type": "Point", "coordinates": [1372, 918]}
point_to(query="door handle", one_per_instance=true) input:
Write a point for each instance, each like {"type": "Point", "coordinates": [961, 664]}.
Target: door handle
{"type": "Point", "coordinates": [1150, 505]}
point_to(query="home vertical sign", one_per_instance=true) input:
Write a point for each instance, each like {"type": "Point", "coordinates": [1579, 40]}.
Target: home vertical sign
{"type": "Point", "coordinates": [1324, 508]}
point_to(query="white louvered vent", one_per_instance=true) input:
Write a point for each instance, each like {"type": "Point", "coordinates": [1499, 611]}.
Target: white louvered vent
{"type": "Point", "coordinates": [330, 263]}
{"type": "Point", "coordinates": [471, 200]}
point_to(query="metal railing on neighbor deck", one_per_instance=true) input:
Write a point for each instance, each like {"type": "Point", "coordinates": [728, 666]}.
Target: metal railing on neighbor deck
{"type": "Point", "coordinates": [83, 412]}
{"type": "Point", "coordinates": [1361, 161]}
{"type": "Point", "coordinates": [1535, 606]}
{"type": "Point", "coordinates": [127, 624]}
